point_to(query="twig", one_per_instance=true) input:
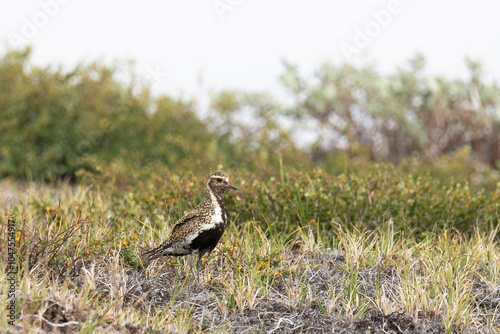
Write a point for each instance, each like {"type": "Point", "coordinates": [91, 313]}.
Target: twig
{"type": "Point", "coordinates": [51, 323]}
{"type": "Point", "coordinates": [279, 323]}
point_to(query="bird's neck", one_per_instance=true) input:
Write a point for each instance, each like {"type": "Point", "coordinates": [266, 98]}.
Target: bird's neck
{"type": "Point", "coordinates": [215, 198]}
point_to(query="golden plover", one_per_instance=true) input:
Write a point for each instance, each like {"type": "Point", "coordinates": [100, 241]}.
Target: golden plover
{"type": "Point", "coordinates": [199, 231]}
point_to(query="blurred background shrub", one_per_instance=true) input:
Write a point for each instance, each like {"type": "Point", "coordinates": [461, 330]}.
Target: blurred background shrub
{"type": "Point", "coordinates": [58, 124]}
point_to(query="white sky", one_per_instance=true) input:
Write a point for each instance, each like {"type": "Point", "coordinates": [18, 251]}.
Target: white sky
{"type": "Point", "coordinates": [177, 40]}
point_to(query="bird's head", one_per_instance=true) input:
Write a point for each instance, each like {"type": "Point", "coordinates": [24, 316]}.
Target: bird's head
{"type": "Point", "coordinates": [219, 182]}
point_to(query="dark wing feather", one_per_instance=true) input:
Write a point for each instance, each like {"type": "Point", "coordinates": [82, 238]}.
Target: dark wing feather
{"type": "Point", "coordinates": [184, 226]}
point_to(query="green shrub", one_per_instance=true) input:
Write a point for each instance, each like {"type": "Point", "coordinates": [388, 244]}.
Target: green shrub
{"type": "Point", "coordinates": [55, 123]}
{"type": "Point", "coordinates": [283, 202]}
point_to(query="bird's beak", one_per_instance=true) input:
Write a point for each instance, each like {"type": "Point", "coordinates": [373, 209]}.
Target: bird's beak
{"type": "Point", "coordinates": [229, 185]}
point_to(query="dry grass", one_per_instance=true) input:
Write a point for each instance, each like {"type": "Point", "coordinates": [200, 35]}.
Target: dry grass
{"type": "Point", "coordinates": [377, 281]}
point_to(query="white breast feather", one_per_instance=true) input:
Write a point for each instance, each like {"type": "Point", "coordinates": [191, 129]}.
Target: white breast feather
{"type": "Point", "coordinates": [217, 217]}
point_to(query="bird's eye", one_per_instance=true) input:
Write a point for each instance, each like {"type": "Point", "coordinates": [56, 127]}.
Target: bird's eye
{"type": "Point", "coordinates": [219, 180]}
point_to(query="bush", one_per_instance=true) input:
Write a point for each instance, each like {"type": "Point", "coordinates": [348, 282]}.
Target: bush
{"type": "Point", "coordinates": [282, 202]}
{"type": "Point", "coordinates": [54, 124]}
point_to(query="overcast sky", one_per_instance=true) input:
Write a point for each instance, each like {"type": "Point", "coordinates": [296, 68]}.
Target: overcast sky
{"type": "Point", "coordinates": [239, 44]}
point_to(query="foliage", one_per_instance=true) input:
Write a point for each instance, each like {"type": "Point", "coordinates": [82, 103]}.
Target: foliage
{"type": "Point", "coordinates": [293, 199]}
{"type": "Point", "coordinates": [328, 252]}
{"type": "Point", "coordinates": [57, 124]}
{"type": "Point", "coordinates": [321, 237]}
{"type": "Point", "coordinates": [250, 125]}
{"type": "Point", "coordinates": [54, 124]}
{"type": "Point", "coordinates": [402, 115]}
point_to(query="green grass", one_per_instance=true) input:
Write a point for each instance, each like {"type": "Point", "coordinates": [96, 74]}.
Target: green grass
{"type": "Point", "coordinates": [304, 252]}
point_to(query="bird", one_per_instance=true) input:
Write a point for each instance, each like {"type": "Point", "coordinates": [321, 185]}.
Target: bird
{"type": "Point", "coordinates": [199, 231]}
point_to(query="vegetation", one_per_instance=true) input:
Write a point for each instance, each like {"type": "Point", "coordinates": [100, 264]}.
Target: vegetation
{"type": "Point", "coordinates": [56, 124]}
{"type": "Point", "coordinates": [285, 263]}
{"type": "Point", "coordinates": [353, 232]}
{"type": "Point", "coordinates": [398, 116]}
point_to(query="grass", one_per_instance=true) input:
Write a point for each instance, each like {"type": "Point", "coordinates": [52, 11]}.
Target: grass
{"type": "Point", "coordinates": [296, 267]}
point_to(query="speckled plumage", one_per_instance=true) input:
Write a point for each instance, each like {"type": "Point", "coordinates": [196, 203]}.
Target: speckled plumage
{"type": "Point", "coordinates": [199, 231]}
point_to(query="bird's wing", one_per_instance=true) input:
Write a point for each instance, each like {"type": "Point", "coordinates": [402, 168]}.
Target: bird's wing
{"type": "Point", "coordinates": [184, 226]}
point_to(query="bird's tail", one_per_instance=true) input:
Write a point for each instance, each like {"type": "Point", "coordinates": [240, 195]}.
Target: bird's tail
{"type": "Point", "coordinates": [153, 254]}
{"type": "Point", "coordinates": [166, 249]}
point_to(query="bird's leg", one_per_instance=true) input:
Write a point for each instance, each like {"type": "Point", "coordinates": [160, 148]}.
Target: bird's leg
{"type": "Point", "coordinates": [191, 264]}
{"type": "Point", "coordinates": [198, 267]}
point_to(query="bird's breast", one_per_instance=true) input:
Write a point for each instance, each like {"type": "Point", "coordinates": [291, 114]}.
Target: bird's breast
{"type": "Point", "coordinates": [218, 216]}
